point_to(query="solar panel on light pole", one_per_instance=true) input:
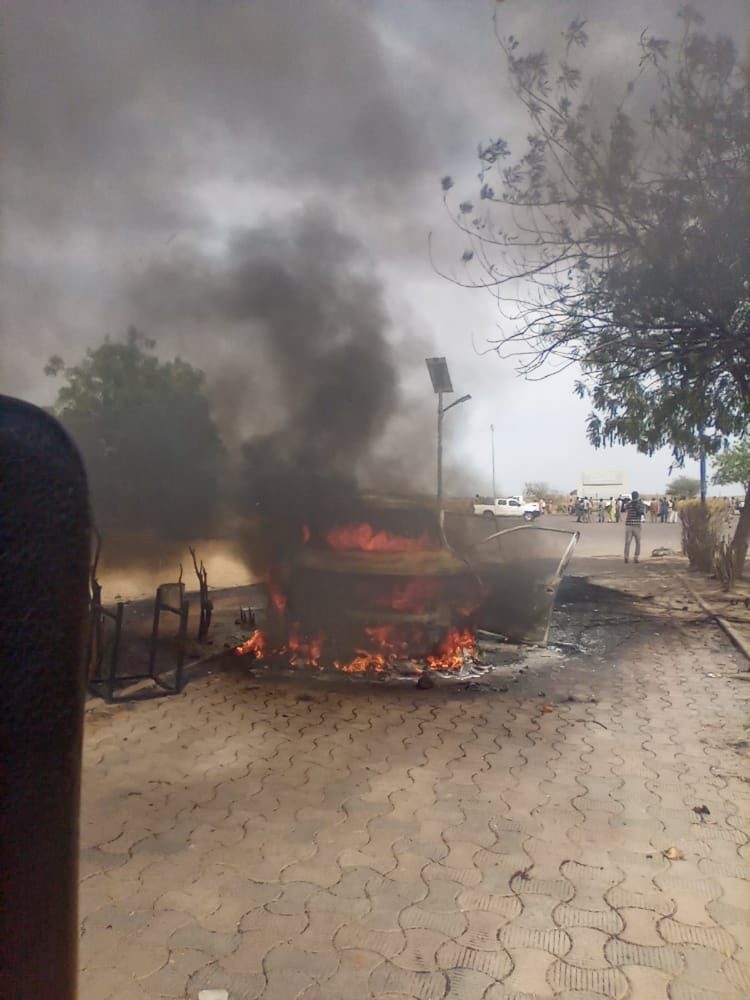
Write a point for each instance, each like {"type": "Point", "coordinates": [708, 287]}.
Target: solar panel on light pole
{"type": "Point", "coordinates": [439, 374]}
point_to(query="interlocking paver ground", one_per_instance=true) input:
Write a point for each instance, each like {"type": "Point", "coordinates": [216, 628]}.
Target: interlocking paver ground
{"type": "Point", "coordinates": [334, 840]}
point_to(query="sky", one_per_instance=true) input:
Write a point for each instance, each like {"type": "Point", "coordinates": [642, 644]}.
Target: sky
{"type": "Point", "coordinates": [140, 139]}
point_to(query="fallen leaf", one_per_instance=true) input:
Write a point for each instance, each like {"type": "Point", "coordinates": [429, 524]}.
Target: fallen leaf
{"type": "Point", "coordinates": [673, 854]}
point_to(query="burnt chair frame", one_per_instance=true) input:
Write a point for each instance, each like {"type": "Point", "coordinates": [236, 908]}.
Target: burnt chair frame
{"type": "Point", "coordinates": [105, 683]}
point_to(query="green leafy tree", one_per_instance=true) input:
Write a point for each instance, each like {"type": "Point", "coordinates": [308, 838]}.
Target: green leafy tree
{"type": "Point", "coordinates": [621, 248]}
{"type": "Point", "coordinates": [732, 467]}
{"type": "Point", "coordinates": [684, 486]}
{"type": "Point", "coordinates": [144, 428]}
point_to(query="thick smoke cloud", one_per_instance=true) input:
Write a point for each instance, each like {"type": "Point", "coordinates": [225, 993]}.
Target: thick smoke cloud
{"type": "Point", "coordinates": [135, 135]}
{"type": "Point", "coordinates": [119, 123]}
{"type": "Point", "coordinates": [295, 308]}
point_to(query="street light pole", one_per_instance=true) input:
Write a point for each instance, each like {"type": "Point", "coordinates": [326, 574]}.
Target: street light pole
{"type": "Point", "coordinates": [441, 383]}
{"type": "Point", "coordinates": [492, 444]}
{"type": "Point", "coordinates": [440, 412]}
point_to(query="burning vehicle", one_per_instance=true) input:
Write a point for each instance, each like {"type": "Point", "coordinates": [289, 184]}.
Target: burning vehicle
{"type": "Point", "coordinates": [398, 580]}
{"type": "Point", "coordinates": [380, 587]}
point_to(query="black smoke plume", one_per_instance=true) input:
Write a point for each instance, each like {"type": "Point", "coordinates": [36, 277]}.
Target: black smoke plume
{"type": "Point", "coordinates": [294, 318]}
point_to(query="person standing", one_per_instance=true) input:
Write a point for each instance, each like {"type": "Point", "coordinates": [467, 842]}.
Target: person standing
{"type": "Point", "coordinates": [635, 514]}
{"type": "Point", "coordinates": [611, 510]}
{"type": "Point", "coordinates": [654, 509]}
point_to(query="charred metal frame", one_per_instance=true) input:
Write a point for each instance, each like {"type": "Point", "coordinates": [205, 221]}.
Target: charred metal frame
{"type": "Point", "coordinates": [182, 610]}
{"type": "Point", "coordinates": [95, 649]}
{"type": "Point", "coordinates": [104, 684]}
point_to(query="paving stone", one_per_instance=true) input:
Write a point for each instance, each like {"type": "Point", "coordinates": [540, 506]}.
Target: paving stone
{"type": "Point", "coordinates": [724, 913]}
{"type": "Point", "coordinates": [321, 929]}
{"type": "Point", "coordinates": [587, 947]}
{"type": "Point", "coordinates": [679, 990]}
{"type": "Point", "coordinates": [709, 866]}
{"type": "Point", "coordinates": [385, 943]}
{"type": "Point", "coordinates": [529, 974]}
{"type": "Point", "coordinates": [384, 830]}
{"type": "Point", "coordinates": [642, 926]}
{"type": "Point", "coordinates": [650, 899]}
{"type": "Point", "coordinates": [196, 938]}
{"type": "Point", "coordinates": [500, 992]}
{"type": "Point", "coordinates": [467, 983]}
{"type": "Point", "coordinates": [651, 984]}
{"type": "Point", "coordinates": [703, 968]}
{"type": "Point", "coordinates": [607, 981]}
{"type": "Point", "coordinates": [464, 876]}
{"type": "Point", "coordinates": [351, 978]}
{"type": "Point", "coordinates": [559, 889]}
{"type": "Point", "coordinates": [537, 912]}
{"type": "Point", "coordinates": [666, 958]}
{"type": "Point", "coordinates": [109, 982]}
{"type": "Point", "coordinates": [738, 974]}
{"type": "Point", "coordinates": [495, 963]}
{"type": "Point", "coordinates": [448, 923]}
{"type": "Point", "coordinates": [442, 895]}
{"type": "Point", "coordinates": [675, 932]}
{"type": "Point", "coordinates": [387, 979]}
{"type": "Point", "coordinates": [505, 906]}
{"type": "Point", "coordinates": [239, 985]}
{"type": "Point", "coordinates": [116, 918]}
{"type": "Point", "coordinates": [170, 979]}
{"type": "Point", "coordinates": [289, 970]}
{"type": "Point", "coordinates": [607, 919]}
{"type": "Point", "coordinates": [555, 941]}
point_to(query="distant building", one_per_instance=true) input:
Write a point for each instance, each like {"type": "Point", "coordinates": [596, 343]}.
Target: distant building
{"type": "Point", "coordinates": [603, 484]}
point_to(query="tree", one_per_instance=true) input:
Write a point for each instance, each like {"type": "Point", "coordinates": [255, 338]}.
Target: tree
{"type": "Point", "coordinates": [622, 249]}
{"type": "Point", "coordinates": [538, 489]}
{"type": "Point", "coordinates": [684, 486]}
{"type": "Point", "coordinates": [732, 467]}
{"type": "Point", "coordinates": [144, 428]}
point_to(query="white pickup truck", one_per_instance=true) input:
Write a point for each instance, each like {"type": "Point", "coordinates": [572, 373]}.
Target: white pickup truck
{"type": "Point", "coordinates": [508, 507]}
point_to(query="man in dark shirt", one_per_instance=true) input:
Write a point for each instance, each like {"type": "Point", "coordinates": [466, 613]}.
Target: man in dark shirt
{"type": "Point", "coordinates": [635, 514]}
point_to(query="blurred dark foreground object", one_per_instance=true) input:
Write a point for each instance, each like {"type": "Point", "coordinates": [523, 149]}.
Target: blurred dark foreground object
{"type": "Point", "coordinates": [44, 553]}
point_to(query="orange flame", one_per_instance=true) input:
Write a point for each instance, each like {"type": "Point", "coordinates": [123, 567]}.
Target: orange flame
{"type": "Point", "coordinates": [364, 538]}
{"type": "Point", "coordinates": [419, 599]}
{"type": "Point", "coordinates": [453, 650]}
{"type": "Point", "coordinates": [388, 647]}
{"type": "Point", "coordinates": [307, 649]}
{"type": "Point", "coordinates": [278, 597]}
{"type": "Point", "coordinates": [362, 663]}
{"type": "Point", "coordinates": [415, 595]}
{"type": "Point", "coordinates": [255, 645]}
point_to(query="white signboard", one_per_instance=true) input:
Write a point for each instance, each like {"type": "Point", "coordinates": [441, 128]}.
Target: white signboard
{"type": "Point", "coordinates": [601, 484]}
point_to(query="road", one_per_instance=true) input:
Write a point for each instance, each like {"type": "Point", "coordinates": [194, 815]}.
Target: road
{"type": "Point", "coordinates": [575, 828]}
{"type": "Point", "coordinates": [608, 539]}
